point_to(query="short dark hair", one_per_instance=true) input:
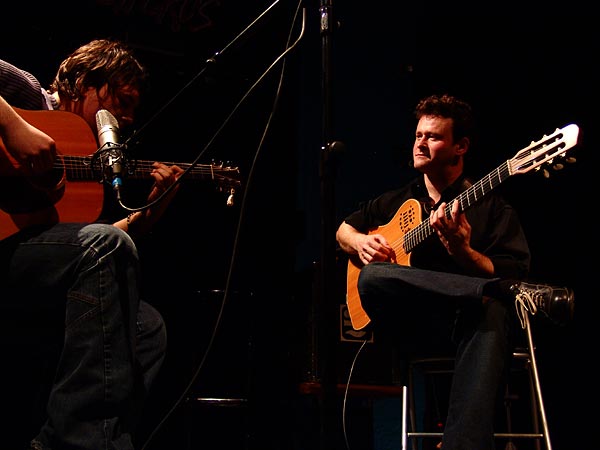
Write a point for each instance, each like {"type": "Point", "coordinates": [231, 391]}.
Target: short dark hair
{"type": "Point", "coordinates": [451, 107]}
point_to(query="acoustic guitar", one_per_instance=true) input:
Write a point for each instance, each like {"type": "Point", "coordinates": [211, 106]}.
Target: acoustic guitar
{"type": "Point", "coordinates": [73, 190]}
{"type": "Point", "coordinates": [406, 230]}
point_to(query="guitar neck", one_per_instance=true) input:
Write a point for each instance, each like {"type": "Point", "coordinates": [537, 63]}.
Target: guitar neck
{"type": "Point", "coordinates": [83, 168]}
{"type": "Point", "coordinates": [76, 144]}
{"type": "Point", "coordinates": [466, 199]}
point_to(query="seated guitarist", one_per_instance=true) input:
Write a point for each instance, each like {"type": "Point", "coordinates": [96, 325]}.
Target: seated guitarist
{"type": "Point", "coordinates": [461, 282]}
{"type": "Point", "coordinates": [84, 275]}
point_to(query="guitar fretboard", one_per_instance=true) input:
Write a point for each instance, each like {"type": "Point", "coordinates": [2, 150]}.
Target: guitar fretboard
{"type": "Point", "coordinates": [83, 168]}
{"type": "Point", "coordinates": [466, 199]}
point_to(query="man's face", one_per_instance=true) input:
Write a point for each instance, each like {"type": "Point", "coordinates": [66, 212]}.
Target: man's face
{"type": "Point", "coordinates": [122, 105]}
{"type": "Point", "coordinates": [434, 145]}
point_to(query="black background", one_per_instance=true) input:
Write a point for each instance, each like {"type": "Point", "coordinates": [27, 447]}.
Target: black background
{"type": "Point", "coordinates": [525, 75]}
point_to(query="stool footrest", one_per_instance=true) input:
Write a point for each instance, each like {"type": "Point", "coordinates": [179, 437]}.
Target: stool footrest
{"type": "Point", "coordinates": [498, 435]}
{"type": "Point", "coordinates": [442, 365]}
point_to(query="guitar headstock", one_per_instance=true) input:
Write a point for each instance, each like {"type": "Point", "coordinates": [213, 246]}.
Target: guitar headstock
{"type": "Point", "coordinates": [557, 163]}
{"type": "Point", "coordinates": [225, 175]}
{"type": "Point", "coordinates": [550, 150]}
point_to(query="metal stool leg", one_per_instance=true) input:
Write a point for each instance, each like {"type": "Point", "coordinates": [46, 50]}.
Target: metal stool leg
{"type": "Point", "coordinates": [537, 405]}
{"type": "Point", "coordinates": [404, 416]}
{"type": "Point", "coordinates": [443, 365]}
{"type": "Point", "coordinates": [538, 389]}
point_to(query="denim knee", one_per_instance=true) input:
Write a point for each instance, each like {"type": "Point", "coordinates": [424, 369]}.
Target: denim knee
{"type": "Point", "coordinates": [105, 238]}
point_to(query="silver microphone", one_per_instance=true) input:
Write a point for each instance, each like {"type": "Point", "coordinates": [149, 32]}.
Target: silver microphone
{"type": "Point", "coordinates": [110, 151]}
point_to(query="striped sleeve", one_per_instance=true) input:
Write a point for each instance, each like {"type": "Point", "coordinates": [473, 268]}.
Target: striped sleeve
{"type": "Point", "coordinates": [21, 89]}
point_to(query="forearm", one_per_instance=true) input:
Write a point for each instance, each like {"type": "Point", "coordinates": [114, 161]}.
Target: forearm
{"type": "Point", "coordinates": [27, 144]}
{"type": "Point", "coordinates": [8, 116]}
{"type": "Point", "coordinates": [137, 223]}
{"type": "Point", "coordinates": [346, 238]}
{"type": "Point", "coordinates": [475, 263]}
{"type": "Point", "coordinates": [141, 222]}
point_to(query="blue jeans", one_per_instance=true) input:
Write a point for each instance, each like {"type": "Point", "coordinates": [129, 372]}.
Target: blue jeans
{"type": "Point", "coordinates": [113, 344]}
{"type": "Point", "coordinates": [415, 302]}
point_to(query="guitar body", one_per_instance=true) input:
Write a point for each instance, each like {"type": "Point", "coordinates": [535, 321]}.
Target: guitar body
{"type": "Point", "coordinates": [406, 218]}
{"type": "Point", "coordinates": [26, 201]}
{"type": "Point", "coordinates": [73, 191]}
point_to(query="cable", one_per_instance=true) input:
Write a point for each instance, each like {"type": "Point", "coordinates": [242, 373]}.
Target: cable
{"type": "Point", "coordinates": [212, 59]}
{"type": "Point", "coordinates": [240, 220]}
{"type": "Point", "coordinates": [346, 392]}
{"type": "Point", "coordinates": [226, 121]}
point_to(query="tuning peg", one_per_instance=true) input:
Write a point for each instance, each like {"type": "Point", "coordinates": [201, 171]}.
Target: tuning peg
{"type": "Point", "coordinates": [230, 197]}
{"type": "Point", "coordinates": [570, 159]}
{"type": "Point", "coordinates": [546, 173]}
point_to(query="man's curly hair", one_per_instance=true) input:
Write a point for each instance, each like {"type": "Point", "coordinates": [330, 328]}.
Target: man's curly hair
{"type": "Point", "coordinates": [95, 64]}
{"type": "Point", "coordinates": [450, 107]}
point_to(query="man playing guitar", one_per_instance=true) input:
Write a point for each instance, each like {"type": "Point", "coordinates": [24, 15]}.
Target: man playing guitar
{"type": "Point", "coordinates": [113, 343]}
{"type": "Point", "coordinates": [461, 283]}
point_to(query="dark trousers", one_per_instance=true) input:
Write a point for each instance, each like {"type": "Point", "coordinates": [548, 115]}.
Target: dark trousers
{"type": "Point", "coordinates": [418, 307]}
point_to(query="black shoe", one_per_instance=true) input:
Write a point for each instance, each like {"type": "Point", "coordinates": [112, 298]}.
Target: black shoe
{"type": "Point", "coordinates": [556, 303]}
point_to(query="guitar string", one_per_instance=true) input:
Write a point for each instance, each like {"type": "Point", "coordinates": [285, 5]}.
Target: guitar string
{"type": "Point", "coordinates": [215, 171]}
{"type": "Point", "coordinates": [413, 237]}
{"type": "Point", "coordinates": [83, 161]}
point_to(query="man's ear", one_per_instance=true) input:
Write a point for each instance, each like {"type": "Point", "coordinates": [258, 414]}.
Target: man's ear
{"type": "Point", "coordinates": [462, 145]}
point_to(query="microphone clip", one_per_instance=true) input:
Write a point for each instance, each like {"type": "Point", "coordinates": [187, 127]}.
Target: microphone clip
{"type": "Point", "coordinates": [112, 160]}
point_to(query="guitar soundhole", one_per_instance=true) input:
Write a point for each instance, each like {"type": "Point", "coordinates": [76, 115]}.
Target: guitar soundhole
{"type": "Point", "coordinates": [408, 219]}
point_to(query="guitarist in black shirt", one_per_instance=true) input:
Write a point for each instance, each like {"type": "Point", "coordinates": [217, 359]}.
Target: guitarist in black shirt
{"type": "Point", "coordinates": [434, 257]}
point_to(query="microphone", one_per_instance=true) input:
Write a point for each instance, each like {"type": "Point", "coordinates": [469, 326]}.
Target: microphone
{"type": "Point", "coordinates": [110, 151]}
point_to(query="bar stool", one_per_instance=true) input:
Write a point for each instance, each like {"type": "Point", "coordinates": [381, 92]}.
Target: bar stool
{"type": "Point", "coordinates": [523, 359]}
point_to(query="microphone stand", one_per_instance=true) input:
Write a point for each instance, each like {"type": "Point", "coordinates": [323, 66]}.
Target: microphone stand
{"type": "Point", "coordinates": [210, 60]}
{"type": "Point", "coordinates": [326, 307]}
